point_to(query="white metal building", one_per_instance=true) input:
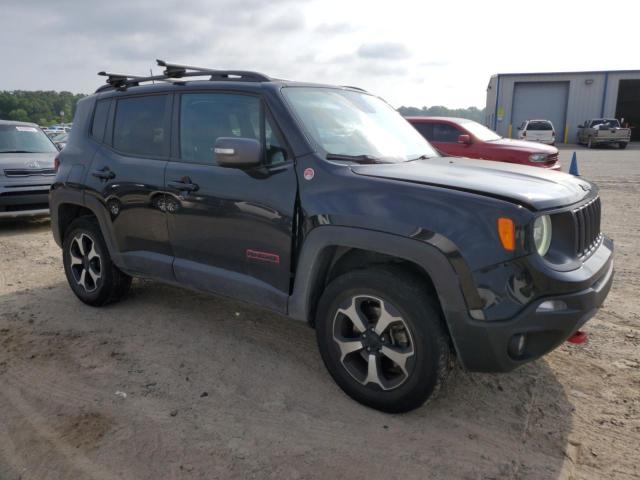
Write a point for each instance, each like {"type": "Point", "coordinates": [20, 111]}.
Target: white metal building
{"type": "Point", "coordinates": [565, 98]}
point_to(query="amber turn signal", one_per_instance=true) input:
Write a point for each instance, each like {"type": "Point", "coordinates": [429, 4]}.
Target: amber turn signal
{"type": "Point", "coordinates": [507, 233]}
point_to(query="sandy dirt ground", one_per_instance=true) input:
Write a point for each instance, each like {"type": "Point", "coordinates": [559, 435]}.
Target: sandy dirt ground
{"type": "Point", "coordinates": [174, 384]}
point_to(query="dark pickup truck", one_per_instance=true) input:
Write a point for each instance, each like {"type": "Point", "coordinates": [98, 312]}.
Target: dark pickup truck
{"type": "Point", "coordinates": [322, 203]}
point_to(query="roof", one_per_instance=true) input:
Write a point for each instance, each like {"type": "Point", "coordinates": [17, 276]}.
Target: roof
{"type": "Point", "coordinates": [446, 119]}
{"type": "Point", "coordinates": [584, 72]}
{"type": "Point", "coordinates": [15, 122]}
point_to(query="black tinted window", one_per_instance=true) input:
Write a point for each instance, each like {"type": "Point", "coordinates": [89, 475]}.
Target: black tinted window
{"type": "Point", "coordinates": [139, 126]}
{"type": "Point", "coordinates": [425, 129]}
{"type": "Point", "coordinates": [443, 132]}
{"type": "Point", "coordinates": [539, 126]}
{"type": "Point", "coordinates": [205, 117]}
{"type": "Point", "coordinates": [100, 119]}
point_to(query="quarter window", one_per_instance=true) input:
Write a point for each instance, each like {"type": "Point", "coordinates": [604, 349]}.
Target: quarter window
{"type": "Point", "coordinates": [140, 126]}
{"type": "Point", "coordinates": [100, 119]}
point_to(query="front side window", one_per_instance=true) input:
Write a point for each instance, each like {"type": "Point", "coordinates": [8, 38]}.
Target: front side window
{"type": "Point", "coordinates": [24, 139]}
{"type": "Point", "coordinates": [205, 117]}
{"type": "Point", "coordinates": [353, 124]}
{"type": "Point", "coordinates": [139, 127]}
{"type": "Point", "coordinates": [445, 133]}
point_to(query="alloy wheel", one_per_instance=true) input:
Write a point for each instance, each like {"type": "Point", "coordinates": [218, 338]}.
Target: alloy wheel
{"type": "Point", "coordinates": [86, 264]}
{"type": "Point", "coordinates": [375, 343]}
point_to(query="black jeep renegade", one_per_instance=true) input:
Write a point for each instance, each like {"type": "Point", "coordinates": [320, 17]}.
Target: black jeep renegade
{"type": "Point", "coordinates": [322, 203]}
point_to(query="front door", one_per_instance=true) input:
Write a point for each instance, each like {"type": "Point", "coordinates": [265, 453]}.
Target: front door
{"type": "Point", "coordinates": [126, 180]}
{"type": "Point", "coordinates": [230, 229]}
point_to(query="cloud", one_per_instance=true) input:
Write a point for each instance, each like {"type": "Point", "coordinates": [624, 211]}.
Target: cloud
{"type": "Point", "coordinates": [384, 50]}
{"type": "Point", "coordinates": [334, 28]}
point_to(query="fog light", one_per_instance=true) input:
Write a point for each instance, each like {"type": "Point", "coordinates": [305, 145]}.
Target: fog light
{"type": "Point", "coordinates": [517, 344]}
{"type": "Point", "coordinates": [551, 306]}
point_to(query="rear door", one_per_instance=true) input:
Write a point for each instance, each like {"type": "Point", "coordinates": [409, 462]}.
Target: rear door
{"type": "Point", "coordinates": [126, 180]}
{"type": "Point", "coordinates": [230, 228]}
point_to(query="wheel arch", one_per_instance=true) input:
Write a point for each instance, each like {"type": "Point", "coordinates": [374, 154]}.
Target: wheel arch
{"type": "Point", "coordinates": [329, 251]}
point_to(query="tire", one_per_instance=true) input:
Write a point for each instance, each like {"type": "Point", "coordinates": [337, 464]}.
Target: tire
{"type": "Point", "coordinates": [622, 145]}
{"type": "Point", "coordinates": [84, 250]}
{"type": "Point", "coordinates": [416, 338]}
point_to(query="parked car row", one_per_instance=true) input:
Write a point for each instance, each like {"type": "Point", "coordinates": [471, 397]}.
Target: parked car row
{"type": "Point", "coordinates": [323, 204]}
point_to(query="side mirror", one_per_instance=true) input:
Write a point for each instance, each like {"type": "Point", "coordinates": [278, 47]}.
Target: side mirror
{"type": "Point", "coordinates": [464, 139]}
{"type": "Point", "coordinates": [237, 152]}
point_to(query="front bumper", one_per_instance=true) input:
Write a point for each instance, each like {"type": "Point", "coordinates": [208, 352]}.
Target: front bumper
{"type": "Point", "coordinates": [483, 345]}
{"type": "Point", "coordinates": [23, 201]}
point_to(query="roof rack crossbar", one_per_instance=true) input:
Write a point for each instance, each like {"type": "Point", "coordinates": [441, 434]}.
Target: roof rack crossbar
{"type": "Point", "coordinates": [173, 70]}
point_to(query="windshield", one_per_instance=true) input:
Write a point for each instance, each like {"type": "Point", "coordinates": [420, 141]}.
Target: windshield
{"type": "Point", "coordinates": [24, 139]}
{"type": "Point", "coordinates": [481, 132]}
{"type": "Point", "coordinates": [348, 123]}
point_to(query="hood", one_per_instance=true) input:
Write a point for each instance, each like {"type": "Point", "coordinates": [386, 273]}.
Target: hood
{"type": "Point", "coordinates": [534, 187]}
{"type": "Point", "coordinates": [524, 145]}
{"type": "Point", "coordinates": [26, 161]}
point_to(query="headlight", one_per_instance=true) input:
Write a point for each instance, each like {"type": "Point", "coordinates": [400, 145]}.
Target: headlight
{"type": "Point", "coordinates": [538, 157]}
{"type": "Point", "coordinates": [542, 234]}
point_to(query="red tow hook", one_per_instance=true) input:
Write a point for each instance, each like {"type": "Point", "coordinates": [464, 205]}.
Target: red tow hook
{"type": "Point", "coordinates": [578, 338]}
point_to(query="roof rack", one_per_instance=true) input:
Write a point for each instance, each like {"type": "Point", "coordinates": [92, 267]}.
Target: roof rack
{"type": "Point", "coordinates": [354, 88]}
{"type": "Point", "coordinates": [174, 71]}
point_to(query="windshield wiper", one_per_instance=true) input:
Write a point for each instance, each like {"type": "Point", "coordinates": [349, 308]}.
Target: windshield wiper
{"type": "Point", "coordinates": [421, 157]}
{"type": "Point", "coordinates": [364, 159]}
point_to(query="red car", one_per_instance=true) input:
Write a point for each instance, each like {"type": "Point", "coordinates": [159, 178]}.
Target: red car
{"type": "Point", "coordinates": [460, 137]}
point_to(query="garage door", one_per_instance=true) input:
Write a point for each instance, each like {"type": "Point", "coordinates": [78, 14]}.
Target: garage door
{"type": "Point", "coordinates": [540, 100]}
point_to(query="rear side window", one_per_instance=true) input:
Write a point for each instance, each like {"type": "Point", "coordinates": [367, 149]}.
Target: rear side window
{"type": "Point", "coordinates": [425, 129]}
{"type": "Point", "coordinates": [139, 127]}
{"type": "Point", "coordinates": [100, 119]}
{"type": "Point", "coordinates": [443, 132]}
{"type": "Point", "coordinates": [205, 117]}
{"type": "Point", "coordinates": [539, 126]}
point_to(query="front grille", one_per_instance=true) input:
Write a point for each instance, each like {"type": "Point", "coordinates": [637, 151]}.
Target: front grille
{"type": "Point", "coordinates": [27, 172]}
{"type": "Point", "coordinates": [586, 224]}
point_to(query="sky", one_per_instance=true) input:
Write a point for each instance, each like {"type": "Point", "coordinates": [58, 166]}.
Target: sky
{"type": "Point", "coordinates": [412, 53]}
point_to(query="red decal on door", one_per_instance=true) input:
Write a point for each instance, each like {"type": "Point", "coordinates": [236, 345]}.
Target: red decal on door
{"type": "Point", "coordinates": [262, 256]}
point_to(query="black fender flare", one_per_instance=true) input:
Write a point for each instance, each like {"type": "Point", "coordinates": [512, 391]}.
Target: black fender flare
{"type": "Point", "coordinates": [64, 196]}
{"type": "Point", "coordinates": [436, 255]}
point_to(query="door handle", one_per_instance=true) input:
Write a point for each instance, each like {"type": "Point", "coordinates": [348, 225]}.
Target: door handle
{"type": "Point", "coordinates": [184, 184]}
{"type": "Point", "coordinates": [104, 174]}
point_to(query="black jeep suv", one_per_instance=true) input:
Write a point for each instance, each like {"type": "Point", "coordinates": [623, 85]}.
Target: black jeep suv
{"type": "Point", "coordinates": [322, 203]}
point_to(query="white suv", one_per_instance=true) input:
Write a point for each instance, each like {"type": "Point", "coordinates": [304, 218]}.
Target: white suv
{"type": "Point", "coordinates": [537, 131]}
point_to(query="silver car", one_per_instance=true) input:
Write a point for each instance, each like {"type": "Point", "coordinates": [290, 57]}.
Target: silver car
{"type": "Point", "coordinates": [27, 169]}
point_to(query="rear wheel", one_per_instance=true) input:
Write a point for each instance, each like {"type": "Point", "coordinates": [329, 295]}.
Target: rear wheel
{"type": "Point", "coordinates": [381, 338]}
{"type": "Point", "coordinates": [87, 264]}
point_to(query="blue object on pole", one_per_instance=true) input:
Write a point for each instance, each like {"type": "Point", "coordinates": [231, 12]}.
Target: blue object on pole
{"type": "Point", "coordinates": [573, 169]}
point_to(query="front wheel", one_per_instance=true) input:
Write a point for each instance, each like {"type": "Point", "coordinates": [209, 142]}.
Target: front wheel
{"type": "Point", "coordinates": [381, 337]}
{"type": "Point", "coordinates": [622, 145]}
{"type": "Point", "coordinates": [589, 143]}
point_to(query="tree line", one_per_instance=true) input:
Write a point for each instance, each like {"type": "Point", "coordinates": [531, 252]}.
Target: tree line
{"type": "Point", "coordinates": [48, 107]}
{"type": "Point", "coordinates": [41, 107]}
